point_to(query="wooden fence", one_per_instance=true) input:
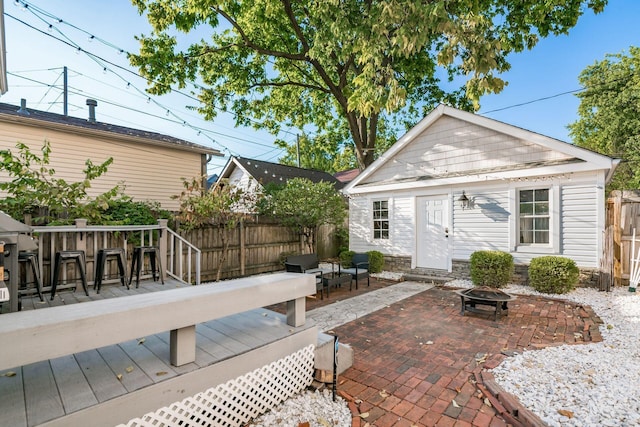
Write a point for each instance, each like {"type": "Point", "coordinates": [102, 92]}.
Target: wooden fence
{"type": "Point", "coordinates": [622, 217]}
{"type": "Point", "coordinates": [255, 247]}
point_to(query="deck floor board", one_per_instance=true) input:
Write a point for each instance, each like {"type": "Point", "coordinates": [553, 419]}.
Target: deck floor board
{"type": "Point", "coordinates": [75, 391]}
{"type": "Point", "coordinates": [42, 401]}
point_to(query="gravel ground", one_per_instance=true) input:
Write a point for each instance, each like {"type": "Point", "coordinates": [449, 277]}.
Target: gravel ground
{"type": "Point", "coordinates": [582, 385]}
{"type": "Point", "coordinates": [316, 408]}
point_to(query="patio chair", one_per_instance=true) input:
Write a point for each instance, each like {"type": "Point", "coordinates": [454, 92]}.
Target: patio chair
{"type": "Point", "coordinates": [359, 268]}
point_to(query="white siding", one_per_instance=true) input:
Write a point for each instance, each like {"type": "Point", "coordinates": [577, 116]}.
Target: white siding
{"type": "Point", "coordinates": [451, 146]}
{"type": "Point", "coordinates": [485, 226]}
{"type": "Point", "coordinates": [401, 225]}
{"type": "Point", "coordinates": [488, 223]}
{"type": "Point", "coordinates": [580, 231]}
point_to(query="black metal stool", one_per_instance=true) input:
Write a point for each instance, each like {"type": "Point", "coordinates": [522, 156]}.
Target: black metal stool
{"type": "Point", "coordinates": [137, 262]}
{"type": "Point", "coordinates": [63, 257]}
{"type": "Point", "coordinates": [29, 261]}
{"type": "Point", "coordinates": [101, 261]}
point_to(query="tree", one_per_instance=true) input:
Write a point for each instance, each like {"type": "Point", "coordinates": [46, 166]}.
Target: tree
{"type": "Point", "coordinates": [343, 66]}
{"type": "Point", "coordinates": [304, 206]}
{"type": "Point", "coordinates": [609, 114]}
{"type": "Point", "coordinates": [223, 207]}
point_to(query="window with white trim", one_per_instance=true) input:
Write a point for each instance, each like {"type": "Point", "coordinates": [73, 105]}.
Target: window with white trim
{"type": "Point", "coordinates": [534, 216]}
{"type": "Point", "coordinates": [380, 219]}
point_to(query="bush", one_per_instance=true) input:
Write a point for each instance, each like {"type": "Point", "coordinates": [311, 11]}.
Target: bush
{"type": "Point", "coordinates": [376, 261]}
{"type": "Point", "coordinates": [345, 258]}
{"type": "Point", "coordinates": [553, 274]}
{"type": "Point", "coordinates": [491, 268]}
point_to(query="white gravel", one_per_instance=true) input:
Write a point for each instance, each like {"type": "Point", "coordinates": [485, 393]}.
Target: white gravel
{"type": "Point", "coordinates": [316, 408]}
{"type": "Point", "coordinates": [582, 384]}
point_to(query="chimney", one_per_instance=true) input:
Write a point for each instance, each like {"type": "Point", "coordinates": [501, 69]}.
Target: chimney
{"type": "Point", "coordinates": [92, 103]}
{"type": "Point", "coordinates": [23, 107]}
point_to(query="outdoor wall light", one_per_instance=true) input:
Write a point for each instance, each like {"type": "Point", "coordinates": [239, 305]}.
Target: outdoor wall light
{"type": "Point", "coordinates": [464, 201]}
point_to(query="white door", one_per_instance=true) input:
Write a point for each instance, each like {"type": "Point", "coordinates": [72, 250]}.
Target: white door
{"type": "Point", "coordinates": [433, 232]}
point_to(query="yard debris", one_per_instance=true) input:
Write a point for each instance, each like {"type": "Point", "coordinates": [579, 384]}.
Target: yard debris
{"type": "Point", "coordinates": [566, 413]}
{"type": "Point", "coordinates": [119, 377]}
{"type": "Point", "coordinates": [364, 415]}
{"type": "Point", "coordinates": [383, 393]}
{"type": "Point", "coordinates": [161, 373]}
{"type": "Point", "coordinates": [129, 369]}
{"type": "Point", "coordinates": [141, 341]}
{"type": "Point", "coordinates": [9, 374]}
{"type": "Point", "coordinates": [455, 404]}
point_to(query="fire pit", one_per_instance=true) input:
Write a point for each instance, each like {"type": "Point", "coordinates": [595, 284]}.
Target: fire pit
{"type": "Point", "coordinates": [484, 296]}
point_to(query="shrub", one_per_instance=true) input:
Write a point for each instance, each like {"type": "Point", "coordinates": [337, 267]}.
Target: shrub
{"type": "Point", "coordinates": [491, 268]}
{"type": "Point", "coordinates": [553, 274]}
{"type": "Point", "coordinates": [376, 261]}
{"type": "Point", "coordinates": [345, 258]}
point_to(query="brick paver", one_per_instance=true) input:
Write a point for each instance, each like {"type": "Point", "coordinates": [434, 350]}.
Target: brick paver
{"type": "Point", "coordinates": [417, 362]}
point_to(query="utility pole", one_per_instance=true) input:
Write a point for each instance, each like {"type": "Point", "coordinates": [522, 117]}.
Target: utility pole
{"type": "Point", "coordinates": [65, 101]}
{"type": "Point", "coordinates": [298, 148]}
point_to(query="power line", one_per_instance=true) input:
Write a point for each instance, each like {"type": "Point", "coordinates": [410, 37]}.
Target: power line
{"type": "Point", "coordinates": [34, 10]}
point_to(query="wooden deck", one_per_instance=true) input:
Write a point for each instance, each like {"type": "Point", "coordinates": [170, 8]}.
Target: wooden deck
{"type": "Point", "coordinates": [113, 384]}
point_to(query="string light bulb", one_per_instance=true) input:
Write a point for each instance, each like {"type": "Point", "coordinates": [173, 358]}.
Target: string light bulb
{"type": "Point", "coordinates": [50, 28]}
{"type": "Point", "coordinates": [91, 37]}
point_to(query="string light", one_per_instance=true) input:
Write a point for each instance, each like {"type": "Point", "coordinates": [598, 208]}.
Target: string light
{"type": "Point", "coordinates": [91, 37]}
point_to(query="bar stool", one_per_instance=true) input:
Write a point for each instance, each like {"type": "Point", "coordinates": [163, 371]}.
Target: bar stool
{"type": "Point", "coordinates": [29, 261]}
{"type": "Point", "coordinates": [137, 262]}
{"type": "Point", "coordinates": [101, 261]}
{"type": "Point", "coordinates": [62, 257]}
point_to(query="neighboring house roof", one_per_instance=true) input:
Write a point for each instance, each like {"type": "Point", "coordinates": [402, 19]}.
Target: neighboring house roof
{"type": "Point", "coordinates": [14, 114]}
{"type": "Point", "coordinates": [453, 146]}
{"type": "Point", "coordinates": [267, 172]}
{"type": "Point", "coordinates": [347, 176]}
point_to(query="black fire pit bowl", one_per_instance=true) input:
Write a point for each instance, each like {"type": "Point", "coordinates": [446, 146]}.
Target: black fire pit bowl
{"type": "Point", "coordinates": [491, 297]}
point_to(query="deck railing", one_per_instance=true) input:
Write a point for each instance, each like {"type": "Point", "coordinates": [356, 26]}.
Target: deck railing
{"type": "Point", "coordinates": [37, 335]}
{"type": "Point", "coordinates": [180, 259]}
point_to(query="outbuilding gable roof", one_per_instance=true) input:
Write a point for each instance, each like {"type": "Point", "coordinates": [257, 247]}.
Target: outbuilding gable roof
{"type": "Point", "coordinates": [14, 114]}
{"type": "Point", "coordinates": [483, 146]}
{"type": "Point", "coordinates": [267, 172]}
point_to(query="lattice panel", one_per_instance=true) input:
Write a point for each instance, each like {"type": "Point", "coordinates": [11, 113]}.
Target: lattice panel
{"type": "Point", "coordinates": [237, 401]}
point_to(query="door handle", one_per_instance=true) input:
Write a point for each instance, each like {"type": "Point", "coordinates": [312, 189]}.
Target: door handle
{"type": "Point", "coordinates": [446, 232]}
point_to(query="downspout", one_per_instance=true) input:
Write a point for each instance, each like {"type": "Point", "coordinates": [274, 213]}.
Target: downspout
{"type": "Point", "coordinates": [206, 158]}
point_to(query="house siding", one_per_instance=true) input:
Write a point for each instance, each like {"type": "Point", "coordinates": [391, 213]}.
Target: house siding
{"type": "Point", "coordinates": [451, 146]}
{"type": "Point", "coordinates": [401, 225]}
{"type": "Point", "coordinates": [483, 227]}
{"type": "Point", "coordinates": [488, 223]}
{"type": "Point", "coordinates": [580, 230]}
{"type": "Point", "coordinates": [148, 172]}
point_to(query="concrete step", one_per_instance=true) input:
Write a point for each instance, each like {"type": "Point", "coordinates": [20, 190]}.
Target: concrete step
{"type": "Point", "coordinates": [425, 278]}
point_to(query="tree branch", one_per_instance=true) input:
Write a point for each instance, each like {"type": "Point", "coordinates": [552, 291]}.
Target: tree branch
{"type": "Point", "coordinates": [259, 49]}
{"type": "Point", "coordinates": [290, 83]}
{"type": "Point", "coordinates": [294, 24]}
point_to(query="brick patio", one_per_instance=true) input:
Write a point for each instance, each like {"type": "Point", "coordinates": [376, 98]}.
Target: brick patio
{"type": "Point", "coordinates": [420, 363]}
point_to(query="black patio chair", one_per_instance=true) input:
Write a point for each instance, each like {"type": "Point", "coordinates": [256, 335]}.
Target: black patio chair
{"type": "Point", "coordinates": [359, 268]}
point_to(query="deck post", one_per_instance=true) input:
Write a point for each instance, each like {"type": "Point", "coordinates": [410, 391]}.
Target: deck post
{"type": "Point", "coordinates": [163, 237]}
{"type": "Point", "coordinates": [182, 345]}
{"type": "Point", "coordinates": [296, 312]}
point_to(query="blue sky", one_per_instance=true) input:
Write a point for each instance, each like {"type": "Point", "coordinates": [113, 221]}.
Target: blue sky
{"type": "Point", "coordinates": [35, 61]}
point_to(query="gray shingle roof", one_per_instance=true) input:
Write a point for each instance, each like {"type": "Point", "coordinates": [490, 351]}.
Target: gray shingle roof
{"type": "Point", "coordinates": [9, 111]}
{"type": "Point", "coordinates": [266, 173]}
